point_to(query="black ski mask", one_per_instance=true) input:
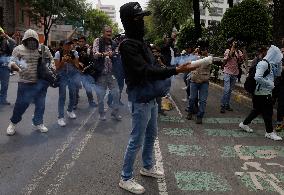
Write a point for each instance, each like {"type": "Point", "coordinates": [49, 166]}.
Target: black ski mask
{"type": "Point", "coordinates": [134, 28]}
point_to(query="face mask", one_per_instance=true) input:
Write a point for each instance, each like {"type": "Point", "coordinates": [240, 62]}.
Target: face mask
{"type": "Point", "coordinates": [31, 44]}
{"type": "Point", "coordinates": [135, 28]}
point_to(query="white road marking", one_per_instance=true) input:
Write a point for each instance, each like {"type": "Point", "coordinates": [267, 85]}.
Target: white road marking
{"type": "Point", "coordinates": [162, 185]}
{"type": "Point", "coordinates": [177, 108]}
{"type": "Point", "coordinates": [65, 170]}
{"type": "Point", "coordinates": [53, 159]}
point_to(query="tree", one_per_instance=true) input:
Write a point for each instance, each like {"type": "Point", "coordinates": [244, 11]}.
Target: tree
{"type": "Point", "coordinates": [248, 21]}
{"type": "Point", "coordinates": [167, 14]}
{"type": "Point", "coordinates": [278, 21]}
{"type": "Point", "coordinates": [47, 12]}
{"type": "Point", "coordinates": [95, 20]}
{"type": "Point", "coordinates": [196, 12]}
{"type": "Point", "coordinates": [231, 3]}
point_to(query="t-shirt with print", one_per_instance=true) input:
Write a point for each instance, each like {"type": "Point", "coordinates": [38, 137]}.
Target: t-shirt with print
{"type": "Point", "coordinates": [231, 67]}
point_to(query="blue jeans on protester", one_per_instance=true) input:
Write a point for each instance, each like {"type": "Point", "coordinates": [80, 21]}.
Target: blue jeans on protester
{"type": "Point", "coordinates": [200, 91]}
{"type": "Point", "coordinates": [28, 93]}
{"type": "Point", "coordinates": [4, 82]}
{"type": "Point", "coordinates": [89, 84]}
{"type": "Point", "coordinates": [66, 79]}
{"type": "Point", "coordinates": [144, 133]}
{"type": "Point", "coordinates": [103, 83]}
{"type": "Point", "coordinates": [229, 84]}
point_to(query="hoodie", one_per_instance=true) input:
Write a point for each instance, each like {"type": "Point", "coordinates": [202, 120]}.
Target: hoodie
{"type": "Point", "coordinates": [265, 85]}
{"type": "Point", "coordinates": [27, 60]}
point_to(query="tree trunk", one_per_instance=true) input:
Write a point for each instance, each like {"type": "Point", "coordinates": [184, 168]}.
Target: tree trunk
{"type": "Point", "coordinates": [196, 12]}
{"type": "Point", "coordinates": [231, 3]}
{"type": "Point", "coordinates": [278, 22]}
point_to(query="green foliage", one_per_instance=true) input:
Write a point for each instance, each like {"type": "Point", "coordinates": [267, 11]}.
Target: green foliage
{"type": "Point", "coordinates": [187, 35]}
{"type": "Point", "coordinates": [95, 20]}
{"type": "Point", "coordinates": [248, 21]}
{"type": "Point", "coordinates": [166, 14]}
{"type": "Point", "coordinates": [49, 11]}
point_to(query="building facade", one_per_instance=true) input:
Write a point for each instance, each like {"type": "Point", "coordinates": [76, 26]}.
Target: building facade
{"type": "Point", "coordinates": [108, 9]}
{"type": "Point", "coordinates": [214, 14]}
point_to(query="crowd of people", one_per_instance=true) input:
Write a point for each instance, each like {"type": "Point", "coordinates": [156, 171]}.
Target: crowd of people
{"type": "Point", "coordinates": [146, 69]}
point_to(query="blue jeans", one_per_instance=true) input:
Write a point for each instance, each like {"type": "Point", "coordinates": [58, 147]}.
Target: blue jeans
{"type": "Point", "coordinates": [200, 91]}
{"type": "Point", "coordinates": [88, 83]}
{"type": "Point", "coordinates": [27, 93]}
{"type": "Point", "coordinates": [229, 84]}
{"type": "Point", "coordinates": [144, 132]}
{"type": "Point", "coordinates": [4, 82]}
{"type": "Point", "coordinates": [66, 79]}
{"type": "Point", "coordinates": [103, 83]}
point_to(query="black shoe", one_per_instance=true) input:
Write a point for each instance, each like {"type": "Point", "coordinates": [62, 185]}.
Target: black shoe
{"type": "Point", "coordinates": [162, 112]}
{"type": "Point", "coordinates": [189, 116]}
{"type": "Point", "coordinates": [198, 120]}
{"type": "Point", "coordinates": [5, 103]}
{"type": "Point", "coordinates": [186, 110]}
{"type": "Point", "coordinates": [223, 110]}
{"type": "Point", "coordinates": [93, 104]}
{"type": "Point", "coordinates": [229, 108]}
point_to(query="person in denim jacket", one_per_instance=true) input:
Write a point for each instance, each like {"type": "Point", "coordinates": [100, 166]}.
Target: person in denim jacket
{"type": "Point", "coordinates": [262, 97]}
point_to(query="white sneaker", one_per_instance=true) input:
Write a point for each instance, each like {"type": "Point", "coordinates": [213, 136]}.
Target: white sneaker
{"type": "Point", "coordinates": [71, 115]}
{"type": "Point", "coordinates": [11, 129]}
{"type": "Point", "coordinates": [61, 122]}
{"type": "Point", "coordinates": [153, 172]}
{"type": "Point", "coordinates": [245, 127]}
{"type": "Point", "coordinates": [116, 117]}
{"type": "Point", "coordinates": [41, 128]}
{"type": "Point", "coordinates": [273, 136]}
{"type": "Point", "coordinates": [132, 186]}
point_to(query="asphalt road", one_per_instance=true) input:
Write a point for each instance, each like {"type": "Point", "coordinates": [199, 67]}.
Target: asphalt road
{"type": "Point", "coordinates": [85, 157]}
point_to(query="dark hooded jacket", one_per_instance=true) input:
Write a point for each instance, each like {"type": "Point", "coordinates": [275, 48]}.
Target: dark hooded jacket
{"type": "Point", "coordinates": [138, 59]}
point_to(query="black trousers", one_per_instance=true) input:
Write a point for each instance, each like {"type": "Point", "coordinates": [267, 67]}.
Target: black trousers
{"type": "Point", "coordinates": [262, 104]}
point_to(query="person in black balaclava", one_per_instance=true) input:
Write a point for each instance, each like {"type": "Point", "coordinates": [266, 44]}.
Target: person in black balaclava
{"type": "Point", "coordinates": [137, 60]}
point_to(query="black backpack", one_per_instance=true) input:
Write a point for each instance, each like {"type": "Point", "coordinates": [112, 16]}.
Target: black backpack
{"type": "Point", "coordinates": [250, 83]}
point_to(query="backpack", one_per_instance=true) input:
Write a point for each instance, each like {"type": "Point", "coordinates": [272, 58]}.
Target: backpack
{"type": "Point", "coordinates": [250, 83]}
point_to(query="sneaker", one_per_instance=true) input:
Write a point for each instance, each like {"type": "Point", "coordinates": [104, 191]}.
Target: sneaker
{"type": "Point", "coordinates": [189, 116]}
{"type": "Point", "coordinates": [116, 117]}
{"type": "Point", "coordinates": [153, 172]}
{"type": "Point", "coordinates": [11, 129]}
{"type": "Point", "coordinates": [93, 104]}
{"type": "Point", "coordinates": [41, 128]}
{"type": "Point", "coordinates": [132, 186]}
{"type": "Point", "coordinates": [273, 136]}
{"type": "Point", "coordinates": [61, 122]}
{"type": "Point", "coordinates": [223, 110]}
{"type": "Point", "coordinates": [279, 128]}
{"type": "Point", "coordinates": [5, 103]}
{"type": "Point", "coordinates": [229, 108]}
{"type": "Point", "coordinates": [102, 117]}
{"type": "Point", "coordinates": [71, 115]}
{"type": "Point", "coordinates": [184, 99]}
{"type": "Point", "coordinates": [199, 120]}
{"type": "Point", "coordinates": [245, 127]}
{"type": "Point", "coordinates": [162, 112]}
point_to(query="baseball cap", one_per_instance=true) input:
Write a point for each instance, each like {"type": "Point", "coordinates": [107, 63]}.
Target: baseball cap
{"type": "Point", "coordinates": [131, 10]}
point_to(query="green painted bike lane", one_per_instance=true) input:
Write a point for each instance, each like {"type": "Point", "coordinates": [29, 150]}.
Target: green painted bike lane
{"type": "Point", "coordinates": [218, 158]}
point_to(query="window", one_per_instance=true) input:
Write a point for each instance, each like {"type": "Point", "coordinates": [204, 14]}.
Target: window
{"type": "Point", "coordinates": [213, 22]}
{"type": "Point", "coordinates": [217, 1]}
{"type": "Point", "coordinates": [215, 11]}
{"type": "Point", "coordinates": [21, 16]}
{"type": "Point", "coordinates": [202, 11]}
